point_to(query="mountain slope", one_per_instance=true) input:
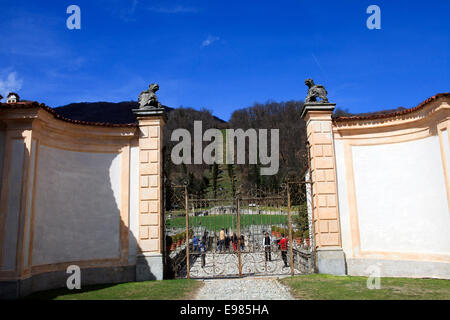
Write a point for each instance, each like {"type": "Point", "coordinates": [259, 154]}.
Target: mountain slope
{"type": "Point", "coordinates": [111, 112]}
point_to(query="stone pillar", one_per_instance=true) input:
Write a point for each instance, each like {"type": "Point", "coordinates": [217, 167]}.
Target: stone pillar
{"type": "Point", "coordinates": [325, 212]}
{"type": "Point", "coordinates": [17, 186]}
{"type": "Point", "coordinates": [149, 264]}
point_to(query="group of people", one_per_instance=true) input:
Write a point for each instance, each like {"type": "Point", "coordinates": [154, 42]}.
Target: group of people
{"type": "Point", "coordinates": [225, 240]}
{"type": "Point", "coordinates": [224, 244]}
{"type": "Point", "coordinates": [282, 243]}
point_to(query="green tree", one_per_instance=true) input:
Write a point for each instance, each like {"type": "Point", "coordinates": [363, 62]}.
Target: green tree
{"type": "Point", "coordinates": [232, 177]}
{"type": "Point", "coordinates": [215, 175]}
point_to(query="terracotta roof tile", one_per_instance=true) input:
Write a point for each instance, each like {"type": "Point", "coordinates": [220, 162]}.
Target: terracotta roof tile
{"type": "Point", "coordinates": [380, 115]}
{"type": "Point", "coordinates": [34, 104]}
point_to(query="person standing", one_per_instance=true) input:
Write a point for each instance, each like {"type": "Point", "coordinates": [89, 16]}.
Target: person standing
{"type": "Point", "coordinates": [283, 247]}
{"type": "Point", "coordinates": [221, 239]}
{"type": "Point", "coordinates": [195, 243]}
{"type": "Point", "coordinates": [267, 245]}
{"type": "Point", "coordinates": [203, 252]}
{"type": "Point", "coordinates": [242, 242]}
{"type": "Point", "coordinates": [234, 241]}
{"type": "Point", "coordinates": [227, 242]}
{"type": "Point", "coordinates": [205, 239]}
{"type": "Point", "coordinates": [202, 247]}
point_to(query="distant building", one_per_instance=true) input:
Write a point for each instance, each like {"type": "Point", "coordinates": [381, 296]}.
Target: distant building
{"type": "Point", "coordinates": [12, 98]}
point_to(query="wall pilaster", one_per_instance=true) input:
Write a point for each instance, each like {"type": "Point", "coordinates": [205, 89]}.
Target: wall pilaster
{"type": "Point", "coordinates": [18, 170]}
{"type": "Point", "coordinates": [327, 233]}
{"type": "Point", "coordinates": [151, 222]}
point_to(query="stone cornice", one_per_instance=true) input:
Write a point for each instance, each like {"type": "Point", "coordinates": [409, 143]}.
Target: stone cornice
{"type": "Point", "coordinates": [26, 105]}
{"type": "Point", "coordinates": [402, 114]}
{"type": "Point", "coordinates": [400, 119]}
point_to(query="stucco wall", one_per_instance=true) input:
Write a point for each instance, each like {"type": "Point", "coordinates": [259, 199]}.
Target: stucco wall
{"type": "Point", "coordinates": [134, 205]}
{"type": "Point", "coordinates": [393, 192]}
{"type": "Point", "coordinates": [401, 198]}
{"type": "Point", "coordinates": [13, 205]}
{"type": "Point", "coordinates": [69, 195]}
{"type": "Point", "coordinates": [2, 152]}
{"type": "Point", "coordinates": [77, 206]}
{"type": "Point", "coordinates": [402, 203]}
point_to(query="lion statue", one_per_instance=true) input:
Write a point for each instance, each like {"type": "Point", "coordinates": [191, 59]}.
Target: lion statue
{"type": "Point", "coordinates": [315, 91]}
{"type": "Point", "coordinates": [148, 98]}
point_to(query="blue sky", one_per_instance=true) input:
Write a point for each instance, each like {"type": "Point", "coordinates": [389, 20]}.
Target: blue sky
{"type": "Point", "coordinates": [226, 55]}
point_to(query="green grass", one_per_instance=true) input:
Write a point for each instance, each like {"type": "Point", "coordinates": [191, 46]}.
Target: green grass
{"type": "Point", "coordinates": [148, 290]}
{"type": "Point", "coordinates": [316, 286]}
{"type": "Point", "coordinates": [216, 222]}
{"type": "Point", "coordinates": [327, 287]}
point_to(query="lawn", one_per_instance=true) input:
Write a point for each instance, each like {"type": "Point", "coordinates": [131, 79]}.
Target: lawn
{"type": "Point", "coordinates": [315, 287]}
{"type": "Point", "coordinates": [327, 287]}
{"type": "Point", "coordinates": [217, 222]}
{"type": "Point", "coordinates": [147, 290]}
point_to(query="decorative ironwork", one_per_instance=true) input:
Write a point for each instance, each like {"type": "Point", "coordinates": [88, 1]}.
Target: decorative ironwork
{"type": "Point", "coordinates": [224, 236]}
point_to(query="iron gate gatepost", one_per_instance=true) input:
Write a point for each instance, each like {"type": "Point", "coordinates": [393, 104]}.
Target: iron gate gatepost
{"type": "Point", "coordinates": [257, 213]}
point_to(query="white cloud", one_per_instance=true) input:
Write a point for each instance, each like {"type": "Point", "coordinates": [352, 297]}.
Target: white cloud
{"type": "Point", "coordinates": [209, 41]}
{"type": "Point", "coordinates": [10, 83]}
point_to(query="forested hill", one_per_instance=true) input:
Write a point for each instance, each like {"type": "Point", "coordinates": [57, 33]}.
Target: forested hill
{"type": "Point", "coordinates": [109, 112]}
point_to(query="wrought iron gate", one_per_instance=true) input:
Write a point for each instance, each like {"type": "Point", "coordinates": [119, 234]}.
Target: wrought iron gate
{"type": "Point", "coordinates": [223, 236]}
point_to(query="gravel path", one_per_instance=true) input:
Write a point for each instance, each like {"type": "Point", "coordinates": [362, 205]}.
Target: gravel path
{"type": "Point", "coordinates": [243, 289]}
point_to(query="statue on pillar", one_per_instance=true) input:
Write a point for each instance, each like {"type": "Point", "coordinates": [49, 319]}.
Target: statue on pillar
{"type": "Point", "coordinates": [315, 91]}
{"type": "Point", "coordinates": [148, 99]}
